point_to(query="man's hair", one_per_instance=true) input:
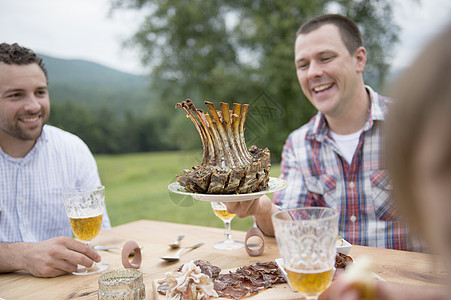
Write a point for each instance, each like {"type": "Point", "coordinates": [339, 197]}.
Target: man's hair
{"type": "Point", "coordinates": [349, 31]}
{"type": "Point", "coordinates": [17, 55]}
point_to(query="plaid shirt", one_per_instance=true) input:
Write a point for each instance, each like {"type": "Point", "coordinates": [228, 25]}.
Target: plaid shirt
{"type": "Point", "coordinates": [318, 175]}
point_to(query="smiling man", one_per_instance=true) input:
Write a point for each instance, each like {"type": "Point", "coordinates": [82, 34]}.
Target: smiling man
{"type": "Point", "coordinates": [336, 159]}
{"type": "Point", "coordinates": [37, 162]}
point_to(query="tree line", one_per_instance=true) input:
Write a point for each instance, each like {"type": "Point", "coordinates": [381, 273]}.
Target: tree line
{"type": "Point", "coordinates": [104, 131]}
{"type": "Point", "coordinates": [163, 128]}
{"type": "Point", "coordinates": [243, 51]}
{"type": "Point", "coordinates": [226, 50]}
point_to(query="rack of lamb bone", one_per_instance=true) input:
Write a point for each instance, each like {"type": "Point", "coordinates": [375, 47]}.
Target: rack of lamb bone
{"type": "Point", "coordinates": [228, 167]}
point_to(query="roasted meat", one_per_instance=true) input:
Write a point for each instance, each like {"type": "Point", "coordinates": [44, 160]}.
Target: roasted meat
{"type": "Point", "coordinates": [227, 167]}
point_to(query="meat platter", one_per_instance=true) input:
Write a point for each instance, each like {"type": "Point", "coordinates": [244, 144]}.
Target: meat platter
{"type": "Point", "coordinates": [258, 281]}
{"type": "Point", "coordinates": [228, 166]}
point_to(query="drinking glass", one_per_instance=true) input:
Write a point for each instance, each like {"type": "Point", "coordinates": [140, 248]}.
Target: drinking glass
{"type": "Point", "coordinates": [124, 284]}
{"type": "Point", "coordinates": [221, 212]}
{"type": "Point", "coordinates": [84, 207]}
{"type": "Point", "coordinates": [306, 238]}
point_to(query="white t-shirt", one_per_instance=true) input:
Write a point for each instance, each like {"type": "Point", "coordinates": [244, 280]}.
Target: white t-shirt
{"type": "Point", "coordinates": [347, 144]}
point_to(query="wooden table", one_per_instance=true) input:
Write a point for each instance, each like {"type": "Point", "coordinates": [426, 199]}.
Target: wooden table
{"type": "Point", "coordinates": [392, 265]}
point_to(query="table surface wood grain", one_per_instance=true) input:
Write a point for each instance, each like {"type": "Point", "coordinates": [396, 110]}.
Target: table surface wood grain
{"type": "Point", "coordinates": [394, 266]}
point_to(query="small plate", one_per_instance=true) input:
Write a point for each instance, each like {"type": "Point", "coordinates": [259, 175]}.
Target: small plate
{"type": "Point", "coordinates": [345, 247]}
{"type": "Point", "coordinates": [279, 262]}
{"type": "Point", "coordinates": [274, 185]}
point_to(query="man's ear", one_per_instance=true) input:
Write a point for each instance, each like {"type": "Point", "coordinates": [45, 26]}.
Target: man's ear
{"type": "Point", "coordinates": [360, 59]}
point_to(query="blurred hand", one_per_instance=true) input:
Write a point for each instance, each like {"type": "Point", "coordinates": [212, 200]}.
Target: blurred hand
{"type": "Point", "coordinates": [341, 290]}
{"type": "Point", "coordinates": [56, 256]}
{"type": "Point", "coordinates": [262, 208]}
{"type": "Point", "coordinates": [245, 208]}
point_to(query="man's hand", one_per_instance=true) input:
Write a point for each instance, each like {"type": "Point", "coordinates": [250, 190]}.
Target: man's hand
{"type": "Point", "coordinates": [262, 208]}
{"type": "Point", "coordinates": [50, 258]}
{"type": "Point", "coordinates": [246, 208]}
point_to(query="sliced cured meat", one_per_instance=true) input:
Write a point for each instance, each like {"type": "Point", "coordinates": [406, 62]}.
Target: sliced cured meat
{"type": "Point", "coordinates": [342, 261]}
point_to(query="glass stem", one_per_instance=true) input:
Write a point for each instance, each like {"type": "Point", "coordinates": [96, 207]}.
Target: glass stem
{"type": "Point", "coordinates": [228, 231]}
{"type": "Point", "coordinates": [89, 243]}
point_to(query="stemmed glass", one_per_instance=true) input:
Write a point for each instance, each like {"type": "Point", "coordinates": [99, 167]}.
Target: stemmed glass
{"type": "Point", "coordinates": [306, 238]}
{"type": "Point", "coordinates": [84, 207]}
{"type": "Point", "coordinates": [221, 212]}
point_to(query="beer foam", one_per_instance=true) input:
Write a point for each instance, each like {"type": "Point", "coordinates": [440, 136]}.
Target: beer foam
{"type": "Point", "coordinates": [308, 271]}
{"type": "Point", "coordinates": [91, 213]}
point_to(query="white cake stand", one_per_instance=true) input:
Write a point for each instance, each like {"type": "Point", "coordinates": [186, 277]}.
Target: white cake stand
{"type": "Point", "coordinates": [274, 185]}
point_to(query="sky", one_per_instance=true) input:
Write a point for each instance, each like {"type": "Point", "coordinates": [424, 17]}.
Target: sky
{"type": "Point", "coordinates": [85, 29]}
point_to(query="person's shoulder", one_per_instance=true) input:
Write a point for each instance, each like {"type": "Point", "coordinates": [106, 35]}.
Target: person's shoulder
{"type": "Point", "coordinates": [384, 104]}
{"type": "Point", "coordinates": [380, 104]}
{"type": "Point", "coordinates": [305, 131]}
{"type": "Point", "coordinates": [385, 100]}
{"type": "Point", "coordinates": [52, 132]}
{"type": "Point", "coordinates": [60, 137]}
{"type": "Point", "coordinates": [377, 96]}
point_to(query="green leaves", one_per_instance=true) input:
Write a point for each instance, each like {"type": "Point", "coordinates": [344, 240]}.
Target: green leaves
{"type": "Point", "coordinates": [235, 50]}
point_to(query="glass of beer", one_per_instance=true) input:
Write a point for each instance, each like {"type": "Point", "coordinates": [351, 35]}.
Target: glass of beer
{"type": "Point", "coordinates": [221, 212]}
{"type": "Point", "coordinates": [306, 238]}
{"type": "Point", "coordinates": [84, 207]}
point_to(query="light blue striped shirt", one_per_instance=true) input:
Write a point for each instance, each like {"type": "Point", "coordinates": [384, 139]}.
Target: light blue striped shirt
{"type": "Point", "coordinates": [31, 200]}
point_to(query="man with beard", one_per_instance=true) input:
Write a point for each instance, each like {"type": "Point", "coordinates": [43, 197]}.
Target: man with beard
{"type": "Point", "coordinates": [336, 160]}
{"type": "Point", "coordinates": [37, 162]}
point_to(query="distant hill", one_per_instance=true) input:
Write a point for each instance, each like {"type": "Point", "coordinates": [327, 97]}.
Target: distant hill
{"type": "Point", "coordinates": [96, 86]}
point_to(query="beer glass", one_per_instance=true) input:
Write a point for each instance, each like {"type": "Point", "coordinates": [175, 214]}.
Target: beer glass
{"type": "Point", "coordinates": [84, 207]}
{"type": "Point", "coordinates": [306, 238]}
{"type": "Point", "coordinates": [221, 212]}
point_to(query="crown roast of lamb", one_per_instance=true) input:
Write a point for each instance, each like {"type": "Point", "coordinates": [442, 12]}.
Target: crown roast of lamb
{"type": "Point", "coordinates": [228, 167]}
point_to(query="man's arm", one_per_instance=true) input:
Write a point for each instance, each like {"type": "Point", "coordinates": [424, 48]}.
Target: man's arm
{"type": "Point", "coordinates": [50, 258]}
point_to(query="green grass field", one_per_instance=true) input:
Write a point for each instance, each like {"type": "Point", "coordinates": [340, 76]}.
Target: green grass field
{"type": "Point", "coordinates": [136, 188]}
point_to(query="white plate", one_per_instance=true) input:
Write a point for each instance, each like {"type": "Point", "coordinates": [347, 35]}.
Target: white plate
{"type": "Point", "coordinates": [279, 262]}
{"type": "Point", "coordinates": [345, 247]}
{"type": "Point", "coordinates": [274, 185]}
